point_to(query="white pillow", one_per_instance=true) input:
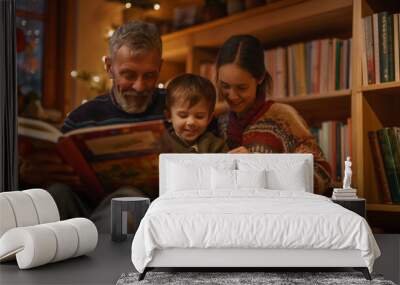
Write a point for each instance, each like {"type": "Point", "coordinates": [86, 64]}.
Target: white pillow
{"type": "Point", "coordinates": [223, 179]}
{"type": "Point", "coordinates": [293, 179]}
{"type": "Point", "coordinates": [181, 177]}
{"type": "Point", "coordinates": [281, 175]}
{"type": "Point", "coordinates": [251, 178]}
{"type": "Point", "coordinates": [188, 175]}
{"type": "Point", "coordinates": [236, 179]}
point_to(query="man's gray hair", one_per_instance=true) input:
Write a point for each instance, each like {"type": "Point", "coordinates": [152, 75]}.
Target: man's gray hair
{"type": "Point", "coordinates": [138, 36]}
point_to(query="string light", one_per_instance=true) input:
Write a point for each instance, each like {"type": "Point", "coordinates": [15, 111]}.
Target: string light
{"type": "Point", "coordinates": [96, 78]}
{"type": "Point", "coordinates": [156, 6]}
{"type": "Point", "coordinates": [110, 33]}
{"type": "Point", "coordinates": [74, 73]}
{"type": "Point", "coordinates": [128, 5]}
{"type": "Point", "coordinates": [160, 85]}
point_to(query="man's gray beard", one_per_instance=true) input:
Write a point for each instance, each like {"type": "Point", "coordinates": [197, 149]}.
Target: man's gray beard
{"type": "Point", "coordinates": [132, 108]}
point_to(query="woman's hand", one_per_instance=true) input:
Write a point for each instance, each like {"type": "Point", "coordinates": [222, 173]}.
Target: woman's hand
{"type": "Point", "coordinates": [240, 149]}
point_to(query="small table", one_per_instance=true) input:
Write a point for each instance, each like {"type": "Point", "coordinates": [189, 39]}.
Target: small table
{"type": "Point", "coordinates": [137, 206]}
{"type": "Point", "coordinates": [356, 205]}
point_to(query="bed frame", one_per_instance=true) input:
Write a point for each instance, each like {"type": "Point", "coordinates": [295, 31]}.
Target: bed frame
{"type": "Point", "coordinates": [250, 258]}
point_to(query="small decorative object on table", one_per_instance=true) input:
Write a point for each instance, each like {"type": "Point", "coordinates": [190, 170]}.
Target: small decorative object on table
{"type": "Point", "coordinates": [345, 193]}
{"type": "Point", "coordinates": [347, 196]}
{"type": "Point", "coordinates": [119, 208]}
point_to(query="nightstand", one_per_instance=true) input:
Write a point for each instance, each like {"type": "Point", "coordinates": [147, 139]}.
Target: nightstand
{"type": "Point", "coordinates": [356, 205]}
{"type": "Point", "coordinates": [137, 206]}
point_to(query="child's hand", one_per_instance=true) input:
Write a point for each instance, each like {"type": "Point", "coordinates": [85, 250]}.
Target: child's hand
{"type": "Point", "coordinates": [240, 149]}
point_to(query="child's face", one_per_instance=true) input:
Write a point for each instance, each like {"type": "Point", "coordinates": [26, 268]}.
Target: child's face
{"type": "Point", "coordinates": [189, 123]}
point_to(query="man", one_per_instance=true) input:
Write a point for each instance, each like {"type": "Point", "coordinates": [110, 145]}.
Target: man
{"type": "Point", "coordinates": [134, 65]}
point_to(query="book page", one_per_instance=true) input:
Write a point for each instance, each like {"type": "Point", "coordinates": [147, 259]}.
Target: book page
{"type": "Point", "coordinates": [38, 129]}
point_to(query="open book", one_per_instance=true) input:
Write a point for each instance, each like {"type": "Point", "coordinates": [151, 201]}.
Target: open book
{"type": "Point", "coordinates": [107, 157]}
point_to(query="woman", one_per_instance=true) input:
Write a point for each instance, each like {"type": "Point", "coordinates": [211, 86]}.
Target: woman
{"type": "Point", "coordinates": [254, 124]}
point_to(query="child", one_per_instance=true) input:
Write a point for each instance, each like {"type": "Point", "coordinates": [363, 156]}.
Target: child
{"type": "Point", "coordinates": [190, 105]}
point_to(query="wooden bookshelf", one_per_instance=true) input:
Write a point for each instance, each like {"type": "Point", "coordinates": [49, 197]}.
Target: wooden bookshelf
{"type": "Point", "coordinates": [373, 107]}
{"type": "Point", "coordinates": [318, 107]}
{"type": "Point", "coordinates": [386, 87]}
{"type": "Point", "coordinates": [383, 207]}
{"type": "Point", "coordinates": [273, 24]}
{"type": "Point", "coordinates": [289, 21]}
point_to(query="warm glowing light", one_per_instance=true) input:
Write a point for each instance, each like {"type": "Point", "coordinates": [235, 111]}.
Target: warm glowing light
{"type": "Point", "coordinates": [156, 6]}
{"type": "Point", "coordinates": [96, 78]}
{"type": "Point", "coordinates": [128, 5]}
{"type": "Point", "coordinates": [74, 73]}
{"type": "Point", "coordinates": [110, 33]}
{"type": "Point", "coordinates": [160, 85]}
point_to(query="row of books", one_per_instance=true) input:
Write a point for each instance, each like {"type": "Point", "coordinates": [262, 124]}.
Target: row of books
{"type": "Point", "coordinates": [313, 67]}
{"type": "Point", "coordinates": [334, 138]}
{"type": "Point", "coordinates": [385, 150]}
{"type": "Point", "coordinates": [381, 48]}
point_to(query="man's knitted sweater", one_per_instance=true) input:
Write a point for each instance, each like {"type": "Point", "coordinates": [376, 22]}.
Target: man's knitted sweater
{"type": "Point", "coordinates": [104, 111]}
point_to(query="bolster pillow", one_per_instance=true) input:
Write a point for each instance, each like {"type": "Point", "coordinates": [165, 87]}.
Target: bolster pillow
{"type": "Point", "coordinates": [40, 244]}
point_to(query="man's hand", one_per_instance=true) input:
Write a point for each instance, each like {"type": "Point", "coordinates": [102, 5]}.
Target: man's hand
{"type": "Point", "coordinates": [44, 169]}
{"type": "Point", "coordinates": [240, 149]}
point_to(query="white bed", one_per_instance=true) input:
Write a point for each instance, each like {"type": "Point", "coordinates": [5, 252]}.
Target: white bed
{"type": "Point", "coordinates": [247, 210]}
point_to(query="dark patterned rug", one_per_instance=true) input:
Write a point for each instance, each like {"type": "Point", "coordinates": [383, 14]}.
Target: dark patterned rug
{"type": "Point", "coordinates": [242, 278]}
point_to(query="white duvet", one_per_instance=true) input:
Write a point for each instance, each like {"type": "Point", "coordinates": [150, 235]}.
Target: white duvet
{"type": "Point", "coordinates": [255, 218]}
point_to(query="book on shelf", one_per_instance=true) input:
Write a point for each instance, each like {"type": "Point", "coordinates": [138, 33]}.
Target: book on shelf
{"type": "Point", "coordinates": [380, 48]}
{"type": "Point", "coordinates": [377, 66]}
{"type": "Point", "coordinates": [379, 168]}
{"type": "Point", "coordinates": [334, 138]}
{"type": "Point", "coordinates": [313, 67]}
{"type": "Point", "coordinates": [368, 64]}
{"type": "Point", "coordinates": [352, 197]}
{"type": "Point", "coordinates": [344, 194]}
{"type": "Point", "coordinates": [396, 46]}
{"type": "Point", "coordinates": [275, 63]}
{"type": "Point", "coordinates": [207, 70]}
{"type": "Point", "coordinates": [385, 148]}
{"type": "Point", "coordinates": [105, 157]}
{"type": "Point", "coordinates": [344, 191]}
{"type": "Point", "coordinates": [383, 29]}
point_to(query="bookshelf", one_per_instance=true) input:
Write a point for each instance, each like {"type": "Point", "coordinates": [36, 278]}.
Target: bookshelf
{"type": "Point", "coordinates": [374, 106]}
{"type": "Point", "coordinates": [383, 207]}
{"type": "Point", "coordinates": [318, 107]}
{"type": "Point", "coordinates": [285, 22]}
